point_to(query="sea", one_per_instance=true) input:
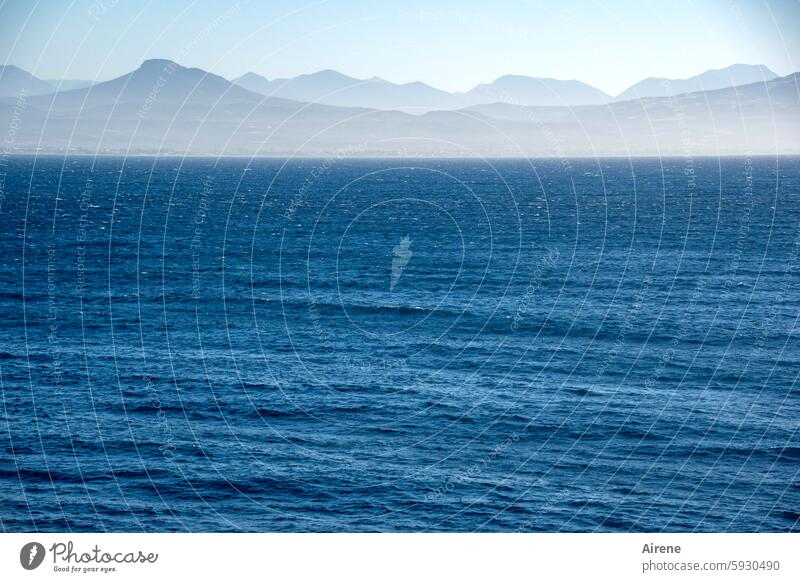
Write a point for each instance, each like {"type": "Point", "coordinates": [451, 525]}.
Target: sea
{"type": "Point", "coordinates": [411, 345]}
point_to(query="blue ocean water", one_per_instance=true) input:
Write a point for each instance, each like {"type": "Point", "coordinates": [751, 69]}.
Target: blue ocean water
{"type": "Point", "coordinates": [399, 345]}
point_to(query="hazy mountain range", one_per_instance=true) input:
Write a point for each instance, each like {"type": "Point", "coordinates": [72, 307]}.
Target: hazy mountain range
{"type": "Point", "coordinates": [333, 88]}
{"type": "Point", "coordinates": [536, 91]}
{"type": "Point", "coordinates": [708, 81]}
{"type": "Point", "coordinates": [14, 81]}
{"type": "Point", "coordinates": [162, 107]}
{"type": "Point", "coordinates": [156, 80]}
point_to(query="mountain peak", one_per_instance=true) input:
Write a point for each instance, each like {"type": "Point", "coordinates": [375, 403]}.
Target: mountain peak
{"type": "Point", "coordinates": [329, 75]}
{"type": "Point", "coordinates": [520, 78]}
{"type": "Point", "coordinates": [738, 67]}
{"type": "Point", "coordinates": [250, 76]}
{"type": "Point", "coordinates": [737, 74]}
{"type": "Point", "coordinates": [12, 69]}
{"type": "Point", "coordinates": [15, 82]}
{"type": "Point", "coordinates": [152, 64]}
{"type": "Point", "coordinates": [538, 91]}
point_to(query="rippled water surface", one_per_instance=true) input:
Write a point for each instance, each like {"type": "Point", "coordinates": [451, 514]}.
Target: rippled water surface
{"type": "Point", "coordinates": [416, 345]}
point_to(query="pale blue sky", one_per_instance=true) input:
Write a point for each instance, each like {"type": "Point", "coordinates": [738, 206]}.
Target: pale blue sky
{"type": "Point", "coordinates": [452, 45]}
